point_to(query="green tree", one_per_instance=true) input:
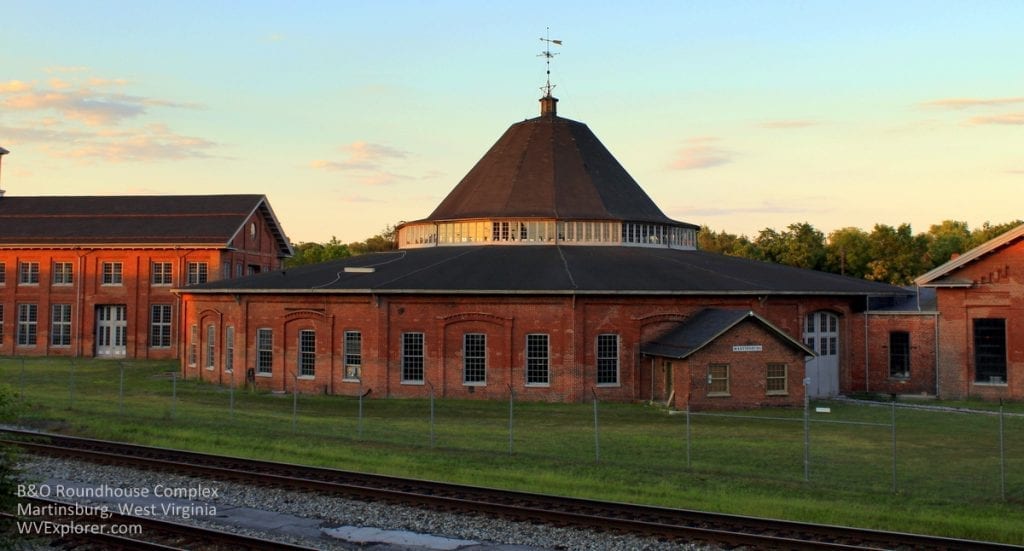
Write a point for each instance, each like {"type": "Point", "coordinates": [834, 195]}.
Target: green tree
{"type": "Point", "coordinates": [988, 231]}
{"type": "Point", "coordinates": [848, 252]}
{"type": "Point", "coordinates": [386, 240]}
{"type": "Point", "coordinates": [945, 239]}
{"type": "Point", "coordinates": [803, 246]}
{"type": "Point", "coordinates": [897, 255]}
{"type": "Point", "coordinates": [313, 253]}
{"type": "Point", "coordinates": [723, 242]}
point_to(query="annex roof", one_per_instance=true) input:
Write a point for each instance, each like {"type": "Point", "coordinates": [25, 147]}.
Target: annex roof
{"type": "Point", "coordinates": [549, 167]}
{"type": "Point", "coordinates": [945, 275]}
{"type": "Point", "coordinates": [150, 220]}
{"type": "Point", "coordinates": [705, 327]}
{"type": "Point", "coordinates": [524, 269]}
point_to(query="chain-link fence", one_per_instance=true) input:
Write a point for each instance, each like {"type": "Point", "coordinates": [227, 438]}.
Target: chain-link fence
{"type": "Point", "coordinates": [873, 446]}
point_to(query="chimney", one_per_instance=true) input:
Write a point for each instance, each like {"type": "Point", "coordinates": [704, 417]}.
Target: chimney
{"type": "Point", "coordinates": [547, 106]}
{"type": "Point", "coordinates": [2, 153]}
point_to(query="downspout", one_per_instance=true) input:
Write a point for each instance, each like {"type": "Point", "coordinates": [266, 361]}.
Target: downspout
{"type": "Point", "coordinates": [867, 361]}
{"type": "Point", "coordinates": [937, 363]}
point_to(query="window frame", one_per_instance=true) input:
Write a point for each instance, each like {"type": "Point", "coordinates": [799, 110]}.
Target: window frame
{"type": "Point", "coordinates": [718, 375]}
{"type": "Point", "coordinates": [28, 272]}
{"type": "Point", "coordinates": [899, 355]}
{"type": "Point", "coordinates": [474, 359]}
{"type": "Point", "coordinates": [229, 349]}
{"type": "Point", "coordinates": [60, 325]}
{"type": "Point", "coordinates": [160, 330]}
{"type": "Point", "coordinates": [413, 363]}
{"type": "Point", "coordinates": [193, 345]}
{"type": "Point", "coordinates": [27, 334]}
{"type": "Point", "coordinates": [769, 377]}
{"type": "Point", "coordinates": [264, 352]}
{"type": "Point", "coordinates": [604, 360]}
{"type": "Point", "coordinates": [198, 273]}
{"type": "Point", "coordinates": [537, 368]}
{"type": "Point", "coordinates": [306, 359]}
{"type": "Point", "coordinates": [3, 273]}
{"type": "Point", "coordinates": [352, 355]}
{"type": "Point", "coordinates": [210, 350]}
{"type": "Point", "coordinates": [161, 273]}
{"type": "Point", "coordinates": [982, 353]}
{"type": "Point", "coordinates": [111, 273]}
{"type": "Point", "coordinates": [63, 273]}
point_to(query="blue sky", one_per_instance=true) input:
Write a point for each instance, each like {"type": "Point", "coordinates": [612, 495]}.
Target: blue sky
{"type": "Point", "coordinates": [353, 115]}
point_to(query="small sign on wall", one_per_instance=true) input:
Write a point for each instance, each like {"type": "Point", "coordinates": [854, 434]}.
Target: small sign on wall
{"type": "Point", "coordinates": [747, 348]}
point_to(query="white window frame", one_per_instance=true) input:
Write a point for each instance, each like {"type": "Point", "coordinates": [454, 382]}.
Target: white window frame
{"type": "Point", "coordinates": [112, 273]}
{"type": "Point", "coordinates": [28, 273]}
{"type": "Point", "coordinates": [476, 362]}
{"type": "Point", "coordinates": [264, 352]}
{"type": "Point", "coordinates": [307, 353]}
{"type": "Point", "coordinates": [63, 273]}
{"type": "Point", "coordinates": [603, 359]}
{"type": "Point", "coordinates": [414, 363]}
{"type": "Point", "coordinates": [533, 361]}
{"type": "Point", "coordinates": [28, 325]}
{"type": "Point", "coordinates": [160, 327]}
{"type": "Point", "coordinates": [352, 355]}
{"type": "Point", "coordinates": [60, 325]}
{"type": "Point", "coordinates": [161, 273]}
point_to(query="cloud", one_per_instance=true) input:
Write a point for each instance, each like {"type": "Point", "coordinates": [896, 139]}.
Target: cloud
{"type": "Point", "coordinates": [788, 123]}
{"type": "Point", "coordinates": [1006, 118]}
{"type": "Point", "coordinates": [361, 156]}
{"type": "Point", "coordinates": [88, 103]}
{"type": "Point", "coordinates": [153, 142]}
{"type": "Point", "coordinates": [763, 208]}
{"type": "Point", "coordinates": [360, 199]}
{"type": "Point", "coordinates": [700, 153]}
{"type": "Point", "coordinates": [970, 103]}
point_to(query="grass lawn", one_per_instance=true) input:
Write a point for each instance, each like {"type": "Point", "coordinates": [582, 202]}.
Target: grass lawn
{"type": "Point", "coordinates": [949, 479]}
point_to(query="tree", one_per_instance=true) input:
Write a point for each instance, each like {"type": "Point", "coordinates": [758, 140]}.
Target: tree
{"type": "Point", "coordinates": [848, 252]}
{"type": "Point", "coordinates": [988, 231]}
{"type": "Point", "coordinates": [723, 243]}
{"type": "Point", "coordinates": [897, 255]}
{"type": "Point", "coordinates": [386, 240]}
{"type": "Point", "coordinates": [945, 239]}
{"type": "Point", "coordinates": [313, 253]}
{"type": "Point", "coordinates": [803, 246]}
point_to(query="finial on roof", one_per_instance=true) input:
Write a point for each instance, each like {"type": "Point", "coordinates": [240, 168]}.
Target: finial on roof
{"type": "Point", "coordinates": [547, 54]}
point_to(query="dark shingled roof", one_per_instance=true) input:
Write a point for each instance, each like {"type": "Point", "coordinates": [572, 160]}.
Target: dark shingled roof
{"type": "Point", "coordinates": [139, 220]}
{"type": "Point", "coordinates": [540, 269]}
{"type": "Point", "coordinates": [549, 167]}
{"type": "Point", "coordinates": [703, 328]}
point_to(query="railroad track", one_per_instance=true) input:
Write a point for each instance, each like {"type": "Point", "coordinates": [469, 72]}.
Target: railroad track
{"type": "Point", "coordinates": [73, 526]}
{"type": "Point", "coordinates": [665, 523]}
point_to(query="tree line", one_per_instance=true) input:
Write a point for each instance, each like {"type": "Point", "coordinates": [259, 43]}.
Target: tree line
{"type": "Point", "coordinates": [889, 254]}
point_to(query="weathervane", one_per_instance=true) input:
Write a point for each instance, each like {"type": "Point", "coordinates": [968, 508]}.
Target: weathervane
{"type": "Point", "coordinates": [548, 55]}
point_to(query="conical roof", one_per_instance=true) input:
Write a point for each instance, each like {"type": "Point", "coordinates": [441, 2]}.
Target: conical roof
{"type": "Point", "coordinates": [549, 167]}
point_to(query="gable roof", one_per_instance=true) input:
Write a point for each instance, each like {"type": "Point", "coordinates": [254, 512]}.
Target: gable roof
{"type": "Point", "coordinates": [944, 275]}
{"type": "Point", "coordinates": [551, 269]}
{"type": "Point", "coordinates": [550, 167]}
{"type": "Point", "coordinates": [151, 220]}
{"type": "Point", "coordinates": [705, 327]}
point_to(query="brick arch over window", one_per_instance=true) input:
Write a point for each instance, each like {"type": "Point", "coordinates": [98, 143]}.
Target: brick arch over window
{"type": "Point", "coordinates": [292, 325]}
{"type": "Point", "coordinates": [499, 352]}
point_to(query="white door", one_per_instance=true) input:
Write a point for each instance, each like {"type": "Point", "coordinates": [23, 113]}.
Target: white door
{"type": "Point", "coordinates": [111, 330]}
{"type": "Point", "coordinates": [821, 333]}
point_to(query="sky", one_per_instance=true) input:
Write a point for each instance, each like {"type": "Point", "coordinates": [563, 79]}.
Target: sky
{"type": "Point", "coordinates": [353, 115]}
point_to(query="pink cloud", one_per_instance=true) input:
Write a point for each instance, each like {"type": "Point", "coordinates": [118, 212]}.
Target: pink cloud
{"type": "Point", "coordinates": [788, 123]}
{"type": "Point", "coordinates": [88, 104]}
{"type": "Point", "coordinates": [361, 155]}
{"type": "Point", "coordinates": [700, 153]}
{"type": "Point", "coordinates": [969, 103]}
{"type": "Point", "coordinates": [1006, 118]}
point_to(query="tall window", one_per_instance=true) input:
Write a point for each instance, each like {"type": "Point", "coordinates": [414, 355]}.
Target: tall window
{"type": "Point", "coordinates": [197, 273]}
{"type": "Point", "coordinates": [718, 380]}
{"type": "Point", "coordinates": [28, 321]}
{"type": "Point", "coordinates": [3, 273]}
{"type": "Point", "coordinates": [211, 345]}
{"type": "Point", "coordinates": [193, 345]}
{"type": "Point", "coordinates": [229, 349]}
{"type": "Point", "coordinates": [607, 359]}
{"type": "Point", "coordinates": [112, 273]}
{"type": "Point", "coordinates": [28, 273]}
{"type": "Point", "coordinates": [899, 354]}
{"type": "Point", "coordinates": [62, 273]}
{"type": "Point", "coordinates": [264, 350]}
{"type": "Point", "coordinates": [537, 359]}
{"type": "Point", "coordinates": [161, 273]}
{"type": "Point", "coordinates": [412, 357]}
{"type": "Point", "coordinates": [307, 353]}
{"type": "Point", "coordinates": [474, 358]}
{"type": "Point", "coordinates": [160, 326]}
{"type": "Point", "coordinates": [1, 323]}
{"type": "Point", "coordinates": [990, 350]}
{"type": "Point", "coordinates": [353, 355]}
{"type": "Point", "coordinates": [60, 325]}
{"type": "Point", "coordinates": [776, 379]}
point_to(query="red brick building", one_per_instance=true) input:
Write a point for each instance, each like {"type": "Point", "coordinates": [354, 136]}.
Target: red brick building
{"type": "Point", "coordinates": [548, 272]}
{"type": "Point", "coordinates": [980, 331]}
{"type": "Point", "coordinates": [92, 276]}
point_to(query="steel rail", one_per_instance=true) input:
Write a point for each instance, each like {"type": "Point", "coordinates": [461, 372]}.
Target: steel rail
{"type": "Point", "coordinates": [675, 524]}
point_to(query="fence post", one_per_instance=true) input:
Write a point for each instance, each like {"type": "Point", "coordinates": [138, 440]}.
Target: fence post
{"type": "Point", "coordinates": [359, 426]}
{"type": "Point", "coordinates": [597, 431]}
{"type": "Point", "coordinates": [687, 435]}
{"type": "Point", "coordinates": [120, 392]}
{"type": "Point", "coordinates": [431, 414]}
{"type": "Point", "coordinates": [21, 381]}
{"type": "Point", "coordinates": [807, 430]}
{"type": "Point", "coordinates": [893, 421]}
{"type": "Point", "coordinates": [295, 400]}
{"type": "Point", "coordinates": [1002, 455]}
{"type": "Point", "coordinates": [174, 394]}
{"type": "Point", "coordinates": [71, 384]}
{"type": "Point", "coordinates": [511, 402]}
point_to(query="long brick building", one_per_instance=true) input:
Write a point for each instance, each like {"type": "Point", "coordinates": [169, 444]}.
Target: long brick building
{"type": "Point", "coordinates": [547, 272]}
{"type": "Point", "coordinates": [92, 276]}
